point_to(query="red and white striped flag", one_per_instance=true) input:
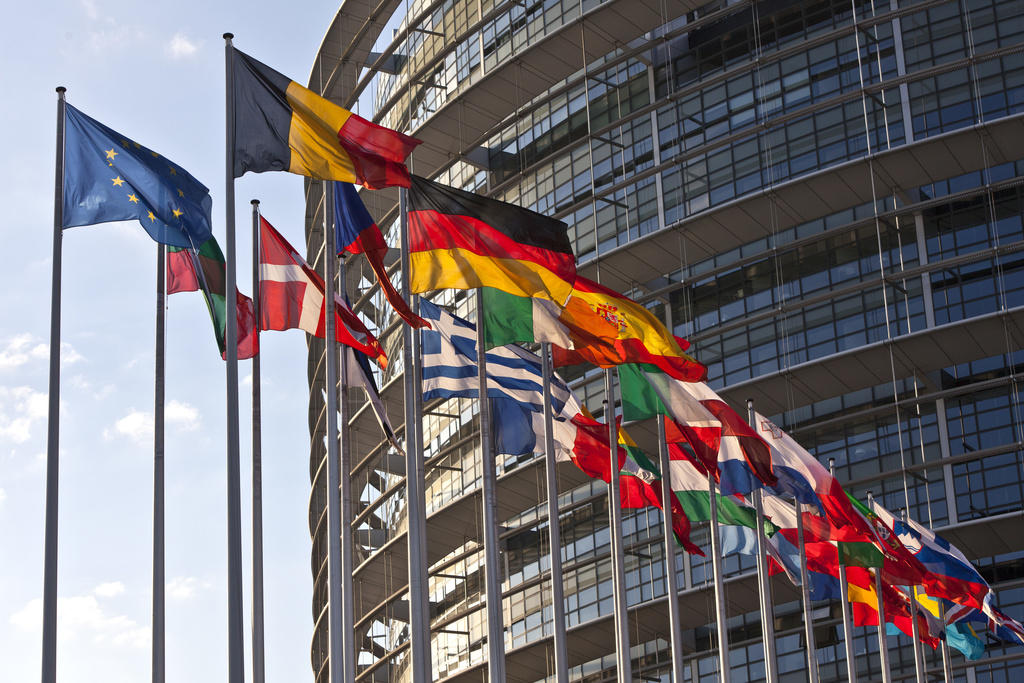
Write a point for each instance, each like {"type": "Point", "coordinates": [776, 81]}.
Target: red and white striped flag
{"type": "Point", "coordinates": [292, 296]}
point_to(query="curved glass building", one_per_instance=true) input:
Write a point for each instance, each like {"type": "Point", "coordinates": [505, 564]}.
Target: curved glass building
{"type": "Point", "coordinates": [824, 196]}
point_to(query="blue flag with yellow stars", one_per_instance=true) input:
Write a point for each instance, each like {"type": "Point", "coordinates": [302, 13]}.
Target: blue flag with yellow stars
{"type": "Point", "coordinates": [108, 177]}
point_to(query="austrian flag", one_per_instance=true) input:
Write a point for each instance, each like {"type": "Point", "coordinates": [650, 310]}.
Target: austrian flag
{"type": "Point", "coordinates": [292, 296]}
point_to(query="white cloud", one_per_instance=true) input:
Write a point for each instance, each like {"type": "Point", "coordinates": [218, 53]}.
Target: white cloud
{"type": "Point", "coordinates": [83, 617]}
{"type": "Point", "coordinates": [22, 348]}
{"type": "Point", "coordinates": [181, 47]}
{"type": "Point", "coordinates": [19, 408]}
{"type": "Point", "coordinates": [109, 589]}
{"type": "Point", "coordinates": [138, 425]}
{"type": "Point", "coordinates": [184, 587]}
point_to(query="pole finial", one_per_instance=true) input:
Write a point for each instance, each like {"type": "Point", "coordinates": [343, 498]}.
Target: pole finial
{"type": "Point", "coordinates": [61, 90]}
{"type": "Point", "coordinates": [254, 202]}
{"type": "Point", "coordinates": [228, 36]}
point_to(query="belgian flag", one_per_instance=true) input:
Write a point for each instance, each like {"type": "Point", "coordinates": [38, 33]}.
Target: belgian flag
{"type": "Point", "coordinates": [460, 240]}
{"type": "Point", "coordinates": [280, 125]}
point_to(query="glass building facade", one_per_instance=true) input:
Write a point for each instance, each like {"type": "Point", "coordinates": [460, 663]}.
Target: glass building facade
{"type": "Point", "coordinates": [825, 197]}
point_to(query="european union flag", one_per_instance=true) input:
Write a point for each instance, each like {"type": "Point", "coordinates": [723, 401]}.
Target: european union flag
{"type": "Point", "coordinates": [108, 177]}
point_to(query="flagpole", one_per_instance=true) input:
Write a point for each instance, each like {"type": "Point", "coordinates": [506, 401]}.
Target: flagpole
{"type": "Point", "coordinates": [236, 639]}
{"type": "Point", "coordinates": [348, 638]}
{"type": "Point", "coordinates": [716, 566]}
{"type": "Point", "coordinates": [914, 629]}
{"type": "Point", "coordinates": [672, 581]}
{"type": "Point", "coordinates": [771, 664]}
{"type": "Point", "coordinates": [158, 469]}
{"type": "Point", "coordinates": [335, 629]}
{"type": "Point", "coordinates": [883, 647]}
{"type": "Point", "coordinates": [49, 663]}
{"type": "Point", "coordinates": [258, 666]}
{"type": "Point", "coordinates": [805, 591]}
{"type": "Point", "coordinates": [622, 658]}
{"type": "Point", "coordinates": [554, 526]}
{"type": "Point", "coordinates": [947, 668]}
{"type": "Point", "coordinates": [495, 625]}
{"type": "Point", "coordinates": [416, 535]}
{"type": "Point", "coordinates": [844, 598]}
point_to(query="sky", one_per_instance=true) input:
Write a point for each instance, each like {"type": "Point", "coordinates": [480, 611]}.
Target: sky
{"type": "Point", "coordinates": [155, 73]}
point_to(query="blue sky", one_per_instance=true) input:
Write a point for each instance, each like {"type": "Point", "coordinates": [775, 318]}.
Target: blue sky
{"type": "Point", "coordinates": [154, 72]}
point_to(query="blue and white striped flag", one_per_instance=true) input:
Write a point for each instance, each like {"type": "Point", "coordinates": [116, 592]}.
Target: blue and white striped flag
{"type": "Point", "coordinates": [450, 366]}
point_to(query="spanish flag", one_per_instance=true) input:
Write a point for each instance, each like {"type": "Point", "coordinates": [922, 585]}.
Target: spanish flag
{"type": "Point", "coordinates": [281, 126]}
{"type": "Point", "coordinates": [641, 337]}
{"type": "Point", "coordinates": [460, 240]}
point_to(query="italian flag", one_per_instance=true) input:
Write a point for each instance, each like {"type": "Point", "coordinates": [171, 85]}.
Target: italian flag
{"type": "Point", "coordinates": [204, 270]}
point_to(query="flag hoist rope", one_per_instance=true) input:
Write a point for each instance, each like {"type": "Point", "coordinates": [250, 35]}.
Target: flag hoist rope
{"type": "Point", "coordinates": [236, 637]}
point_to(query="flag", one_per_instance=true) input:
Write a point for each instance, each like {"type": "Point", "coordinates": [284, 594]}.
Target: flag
{"type": "Point", "coordinates": [721, 440]}
{"type": "Point", "coordinates": [863, 597]}
{"type": "Point", "coordinates": [950, 574]}
{"type": "Point", "coordinates": [292, 296]}
{"type": "Point", "coordinates": [510, 319]}
{"type": "Point", "coordinates": [450, 367]}
{"type": "Point", "coordinates": [189, 271]}
{"type": "Point", "coordinates": [280, 125]}
{"type": "Point", "coordinates": [460, 240]}
{"type": "Point", "coordinates": [640, 336]}
{"type": "Point", "coordinates": [899, 566]}
{"type": "Point", "coordinates": [359, 375]}
{"type": "Point", "coordinates": [357, 233]}
{"type": "Point", "coordinates": [108, 177]}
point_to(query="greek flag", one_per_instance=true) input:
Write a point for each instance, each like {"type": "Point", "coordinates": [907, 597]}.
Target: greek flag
{"type": "Point", "coordinates": [450, 366]}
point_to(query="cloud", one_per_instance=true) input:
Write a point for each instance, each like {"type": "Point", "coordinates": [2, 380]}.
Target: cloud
{"type": "Point", "coordinates": [138, 425]}
{"type": "Point", "coordinates": [109, 589]}
{"type": "Point", "coordinates": [22, 348]}
{"type": "Point", "coordinates": [83, 617]}
{"type": "Point", "coordinates": [19, 408]}
{"type": "Point", "coordinates": [181, 47]}
{"type": "Point", "coordinates": [184, 587]}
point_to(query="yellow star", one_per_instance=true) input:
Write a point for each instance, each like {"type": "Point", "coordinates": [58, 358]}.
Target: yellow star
{"type": "Point", "coordinates": [111, 153]}
{"type": "Point", "coordinates": [177, 213]}
{"type": "Point", "coordinates": [124, 143]}
{"type": "Point", "coordinates": [137, 145]}
{"type": "Point", "coordinates": [180, 193]}
{"type": "Point", "coordinates": [154, 154]}
{"type": "Point", "coordinates": [173, 170]}
{"type": "Point", "coordinates": [118, 182]}
{"type": "Point", "coordinates": [151, 216]}
{"type": "Point", "coordinates": [133, 199]}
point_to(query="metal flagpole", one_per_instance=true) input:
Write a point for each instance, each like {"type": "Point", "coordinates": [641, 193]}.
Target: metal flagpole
{"type": "Point", "coordinates": [622, 658]}
{"type": "Point", "coordinates": [258, 667]}
{"type": "Point", "coordinates": [947, 668]}
{"type": "Point", "coordinates": [919, 669]}
{"type": "Point", "coordinates": [805, 591]}
{"type": "Point", "coordinates": [49, 663]}
{"type": "Point", "coordinates": [419, 607]}
{"type": "Point", "coordinates": [672, 581]}
{"type": "Point", "coordinates": [495, 623]}
{"type": "Point", "coordinates": [764, 589]}
{"type": "Point", "coordinates": [883, 647]}
{"type": "Point", "coordinates": [844, 598]}
{"type": "Point", "coordinates": [236, 639]}
{"type": "Point", "coordinates": [348, 637]}
{"type": "Point", "coordinates": [554, 526]}
{"type": "Point", "coordinates": [158, 469]}
{"type": "Point", "coordinates": [335, 629]}
{"type": "Point", "coordinates": [716, 566]}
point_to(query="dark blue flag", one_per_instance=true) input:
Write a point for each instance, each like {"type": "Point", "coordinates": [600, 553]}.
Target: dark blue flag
{"type": "Point", "coordinates": [108, 177]}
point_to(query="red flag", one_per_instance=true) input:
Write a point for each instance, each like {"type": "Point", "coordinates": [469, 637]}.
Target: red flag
{"type": "Point", "coordinates": [292, 296]}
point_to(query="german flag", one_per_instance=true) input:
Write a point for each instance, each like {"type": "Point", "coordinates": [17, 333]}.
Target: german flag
{"type": "Point", "coordinates": [281, 126]}
{"type": "Point", "coordinates": [460, 240]}
{"type": "Point", "coordinates": [641, 338]}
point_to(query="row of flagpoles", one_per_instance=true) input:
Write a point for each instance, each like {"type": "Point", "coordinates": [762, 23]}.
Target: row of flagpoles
{"type": "Point", "coordinates": [522, 267]}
